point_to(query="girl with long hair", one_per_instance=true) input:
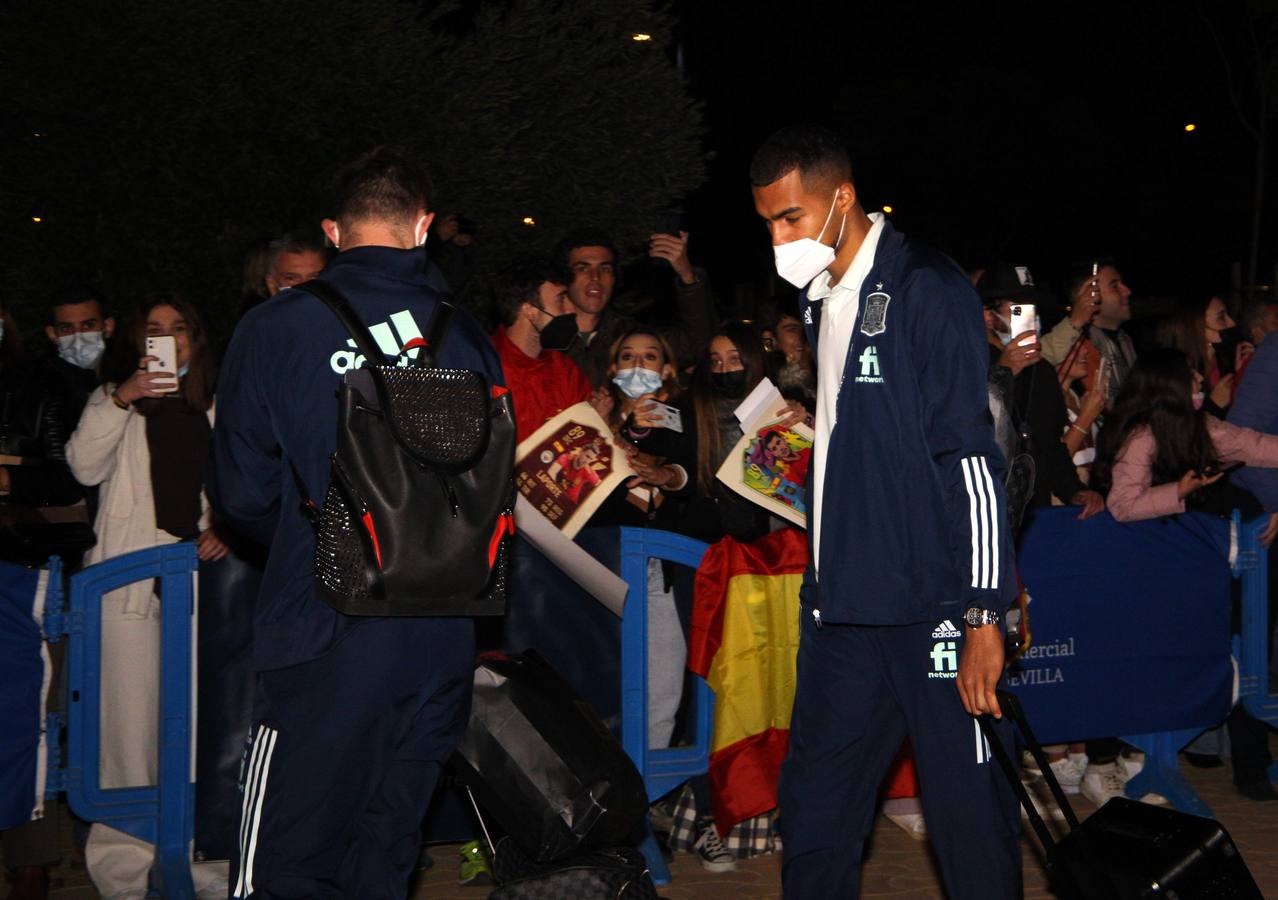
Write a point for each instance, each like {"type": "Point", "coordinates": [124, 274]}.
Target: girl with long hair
{"type": "Point", "coordinates": [1195, 329]}
{"type": "Point", "coordinates": [144, 437]}
{"type": "Point", "coordinates": [1159, 449]}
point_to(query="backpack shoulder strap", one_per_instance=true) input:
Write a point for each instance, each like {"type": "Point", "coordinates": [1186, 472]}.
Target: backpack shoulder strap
{"type": "Point", "coordinates": [336, 301]}
{"type": "Point", "coordinates": [435, 334]}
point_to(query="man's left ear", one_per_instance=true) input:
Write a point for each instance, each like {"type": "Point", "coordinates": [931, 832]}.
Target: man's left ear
{"type": "Point", "coordinates": [332, 232]}
{"type": "Point", "coordinates": [108, 326]}
{"type": "Point", "coordinates": [422, 228]}
{"type": "Point", "coordinates": [847, 196]}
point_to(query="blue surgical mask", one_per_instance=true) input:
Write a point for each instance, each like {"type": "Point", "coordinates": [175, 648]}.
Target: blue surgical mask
{"type": "Point", "coordinates": [82, 349]}
{"type": "Point", "coordinates": [637, 381]}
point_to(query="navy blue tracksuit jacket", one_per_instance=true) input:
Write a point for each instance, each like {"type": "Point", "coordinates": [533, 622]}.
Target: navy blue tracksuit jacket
{"type": "Point", "coordinates": [913, 522]}
{"type": "Point", "coordinates": [276, 405]}
{"type": "Point", "coordinates": [912, 534]}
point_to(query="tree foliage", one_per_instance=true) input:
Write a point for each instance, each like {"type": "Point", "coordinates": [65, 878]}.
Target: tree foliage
{"type": "Point", "coordinates": [171, 135]}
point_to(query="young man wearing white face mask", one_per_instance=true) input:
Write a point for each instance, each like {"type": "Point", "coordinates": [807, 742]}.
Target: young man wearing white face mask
{"type": "Point", "coordinates": [911, 563]}
{"type": "Point", "coordinates": [79, 329]}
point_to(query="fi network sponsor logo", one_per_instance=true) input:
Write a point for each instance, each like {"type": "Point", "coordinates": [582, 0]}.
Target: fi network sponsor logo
{"type": "Point", "coordinates": [869, 360]}
{"type": "Point", "coordinates": [944, 660]}
{"type": "Point", "coordinates": [403, 325]}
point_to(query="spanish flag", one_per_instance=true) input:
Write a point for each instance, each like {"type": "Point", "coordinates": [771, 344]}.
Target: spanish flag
{"type": "Point", "coordinates": [744, 641]}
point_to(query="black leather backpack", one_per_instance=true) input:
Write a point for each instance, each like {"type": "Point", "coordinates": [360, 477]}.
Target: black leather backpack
{"type": "Point", "coordinates": [419, 515]}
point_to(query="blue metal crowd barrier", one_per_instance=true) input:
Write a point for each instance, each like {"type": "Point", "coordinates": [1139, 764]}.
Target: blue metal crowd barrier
{"type": "Point", "coordinates": [662, 769]}
{"type": "Point", "coordinates": [1253, 652]}
{"type": "Point", "coordinates": [162, 814]}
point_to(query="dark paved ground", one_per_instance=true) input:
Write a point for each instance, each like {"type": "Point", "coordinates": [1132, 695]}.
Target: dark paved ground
{"type": "Point", "coordinates": [897, 866]}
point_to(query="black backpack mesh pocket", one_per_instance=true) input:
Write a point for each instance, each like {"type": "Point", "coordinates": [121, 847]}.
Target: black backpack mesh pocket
{"type": "Point", "coordinates": [339, 557]}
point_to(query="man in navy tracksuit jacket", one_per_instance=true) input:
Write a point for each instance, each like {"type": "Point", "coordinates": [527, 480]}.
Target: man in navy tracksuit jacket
{"type": "Point", "coordinates": [908, 535]}
{"type": "Point", "coordinates": [353, 717]}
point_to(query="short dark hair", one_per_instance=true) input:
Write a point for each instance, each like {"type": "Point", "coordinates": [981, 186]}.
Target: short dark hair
{"type": "Point", "coordinates": [1081, 271]}
{"type": "Point", "coordinates": [588, 236]}
{"type": "Point", "coordinates": [381, 184]}
{"type": "Point", "coordinates": [776, 308]}
{"type": "Point", "coordinates": [293, 243]}
{"type": "Point", "coordinates": [815, 151]}
{"type": "Point", "coordinates": [71, 295]}
{"type": "Point", "coordinates": [521, 285]}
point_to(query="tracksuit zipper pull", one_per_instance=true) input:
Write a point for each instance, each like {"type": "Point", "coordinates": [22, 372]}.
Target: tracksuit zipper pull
{"type": "Point", "coordinates": [816, 617]}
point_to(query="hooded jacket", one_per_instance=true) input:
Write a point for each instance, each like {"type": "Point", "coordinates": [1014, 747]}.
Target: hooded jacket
{"type": "Point", "coordinates": [914, 524]}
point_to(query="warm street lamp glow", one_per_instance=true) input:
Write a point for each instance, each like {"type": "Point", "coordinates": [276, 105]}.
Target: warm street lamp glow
{"type": "Point", "coordinates": [36, 219]}
{"type": "Point", "coordinates": [641, 36]}
{"type": "Point", "coordinates": [1191, 127]}
{"type": "Point", "coordinates": [888, 210]}
{"type": "Point", "coordinates": [529, 220]}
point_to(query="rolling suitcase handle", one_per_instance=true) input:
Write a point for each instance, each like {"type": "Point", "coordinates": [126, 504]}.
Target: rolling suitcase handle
{"type": "Point", "coordinates": [1011, 707]}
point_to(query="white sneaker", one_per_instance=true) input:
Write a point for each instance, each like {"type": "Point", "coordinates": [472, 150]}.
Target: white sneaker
{"type": "Point", "coordinates": [714, 853]}
{"type": "Point", "coordinates": [1102, 783]}
{"type": "Point", "coordinates": [1066, 771]}
{"type": "Point", "coordinates": [1041, 796]}
{"type": "Point", "coordinates": [911, 823]}
{"type": "Point", "coordinates": [1131, 764]}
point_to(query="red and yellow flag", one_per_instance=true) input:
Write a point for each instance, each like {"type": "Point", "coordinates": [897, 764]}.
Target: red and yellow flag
{"type": "Point", "coordinates": [744, 641]}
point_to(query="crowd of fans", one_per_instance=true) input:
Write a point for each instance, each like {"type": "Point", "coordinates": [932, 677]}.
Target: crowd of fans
{"type": "Point", "coordinates": [1100, 420]}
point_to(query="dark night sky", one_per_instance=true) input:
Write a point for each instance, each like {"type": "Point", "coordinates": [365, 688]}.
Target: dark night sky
{"type": "Point", "coordinates": [1047, 136]}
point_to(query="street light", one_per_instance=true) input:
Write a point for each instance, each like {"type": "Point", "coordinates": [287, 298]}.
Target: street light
{"type": "Point", "coordinates": [529, 220]}
{"type": "Point", "coordinates": [641, 36]}
{"type": "Point", "coordinates": [888, 210]}
{"type": "Point", "coordinates": [1191, 127]}
{"type": "Point", "coordinates": [37, 219]}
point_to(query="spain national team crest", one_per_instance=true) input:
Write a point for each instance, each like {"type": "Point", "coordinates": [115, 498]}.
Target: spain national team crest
{"type": "Point", "coordinates": [875, 319]}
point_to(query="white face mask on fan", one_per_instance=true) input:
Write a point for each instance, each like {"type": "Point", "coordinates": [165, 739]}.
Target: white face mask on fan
{"type": "Point", "coordinates": [798, 262]}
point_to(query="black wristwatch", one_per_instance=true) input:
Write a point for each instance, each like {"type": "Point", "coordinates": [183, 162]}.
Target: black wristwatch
{"type": "Point", "coordinates": [976, 617]}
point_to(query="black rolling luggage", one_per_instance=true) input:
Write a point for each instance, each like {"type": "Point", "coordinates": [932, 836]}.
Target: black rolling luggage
{"type": "Point", "coordinates": [1127, 849]}
{"type": "Point", "coordinates": [544, 765]}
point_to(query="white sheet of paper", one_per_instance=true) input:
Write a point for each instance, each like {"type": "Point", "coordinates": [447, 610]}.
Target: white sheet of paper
{"type": "Point", "coordinates": [669, 417]}
{"type": "Point", "coordinates": [763, 401]}
{"type": "Point", "coordinates": [594, 577]}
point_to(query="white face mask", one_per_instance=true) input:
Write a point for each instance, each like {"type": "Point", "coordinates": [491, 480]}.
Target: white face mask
{"type": "Point", "coordinates": [83, 349]}
{"type": "Point", "coordinates": [798, 262]}
{"type": "Point", "coordinates": [637, 381]}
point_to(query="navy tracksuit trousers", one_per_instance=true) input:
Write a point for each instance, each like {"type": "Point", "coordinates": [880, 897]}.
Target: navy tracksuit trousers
{"type": "Point", "coordinates": [345, 752]}
{"type": "Point", "coordinates": [861, 690]}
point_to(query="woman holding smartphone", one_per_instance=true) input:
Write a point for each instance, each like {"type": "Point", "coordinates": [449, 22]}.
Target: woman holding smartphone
{"type": "Point", "coordinates": [144, 438]}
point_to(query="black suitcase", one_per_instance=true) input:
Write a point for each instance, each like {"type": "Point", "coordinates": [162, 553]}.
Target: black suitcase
{"type": "Point", "coordinates": [1126, 849]}
{"type": "Point", "coordinates": [538, 758]}
{"type": "Point", "coordinates": [611, 873]}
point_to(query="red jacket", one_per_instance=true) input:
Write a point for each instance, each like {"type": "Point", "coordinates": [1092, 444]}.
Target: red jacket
{"type": "Point", "coordinates": [540, 387]}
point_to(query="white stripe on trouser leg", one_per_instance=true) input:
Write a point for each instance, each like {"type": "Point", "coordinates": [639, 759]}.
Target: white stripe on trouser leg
{"type": "Point", "coordinates": [994, 526]}
{"type": "Point", "coordinates": [250, 814]}
{"type": "Point", "coordinates": [250, 781]}
{"type": "Point", "coordinates": [979, 743]}
{"type": "Point", "coordinates": [972, 503]}
{"type": "Point", "coordinates": [257, 812]}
